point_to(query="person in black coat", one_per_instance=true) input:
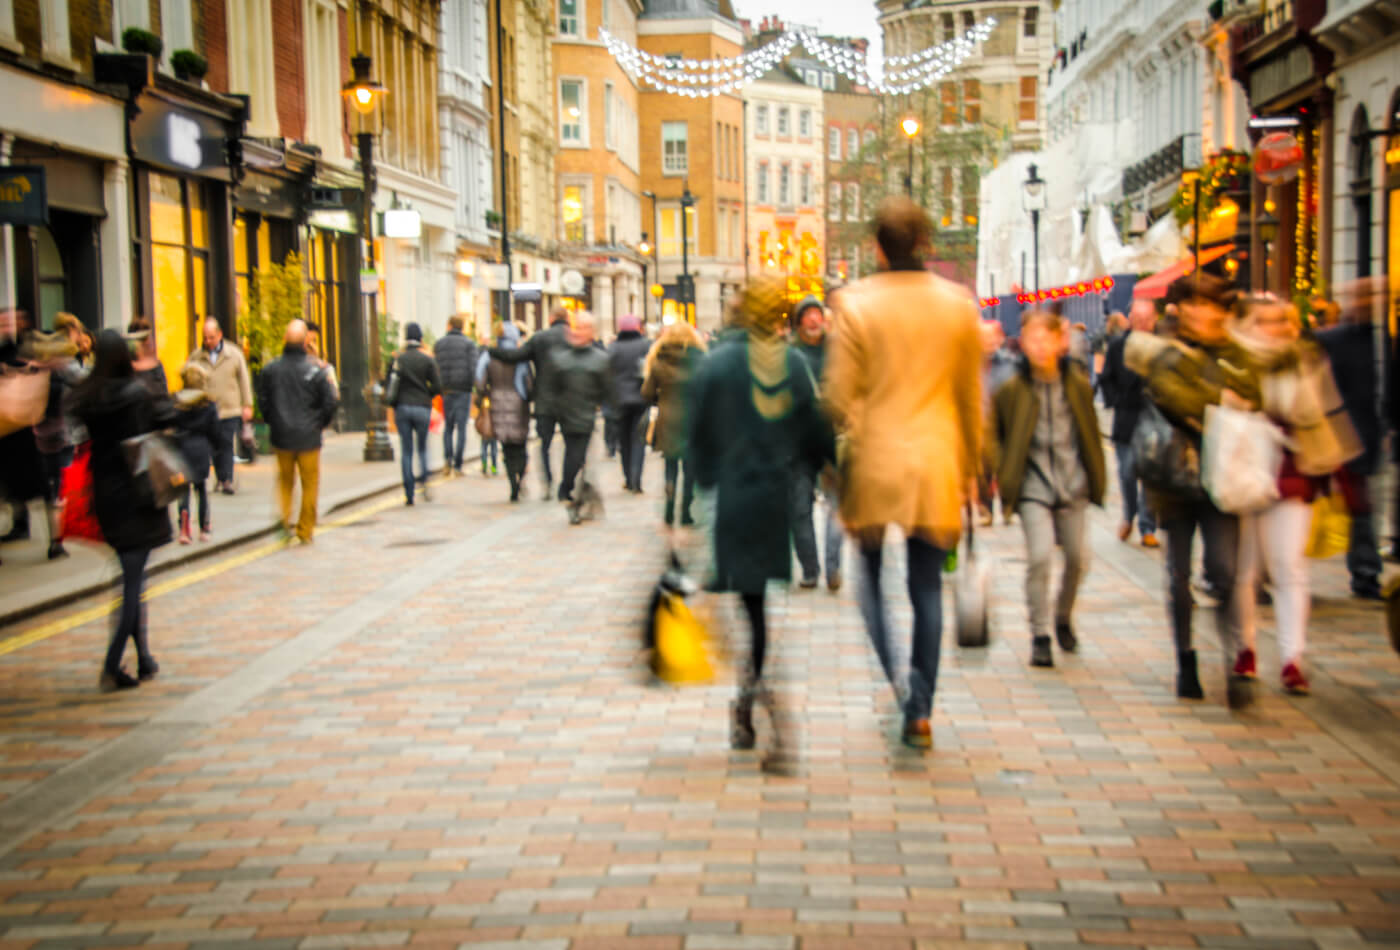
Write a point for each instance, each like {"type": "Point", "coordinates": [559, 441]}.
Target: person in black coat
{"type": "Point", "coordinates": [21, 468]}
{"type": "Point", "coordinates": [455, 353]}
{"type": "Point", "coordinates": [197, 428]}
{"type": "Point", "coordinates": [627, 357]}
{"type": "Point", "coordinates": [540, 350]}
{"type": "Point", "coordinates": [418, 382]}
{"type": "Point", "coordinates": [114, 406]}
{"type": "Point", "coordinates": [1124, 392]}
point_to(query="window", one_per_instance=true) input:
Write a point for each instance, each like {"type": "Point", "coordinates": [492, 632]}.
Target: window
{"type": "Point", "coordinates": [674, 160]}
{"type": "Point", "coordinates": [833, 144]}
{"type": "Point", "coordinates": [1028, 22]}
{"type": "Point", "coordinates": [784, 121]}
{"type": "Point", "coordinates": [972, 101]}
{"type": "Point", "coordinates": [760, 121]}
{"type": "Point", "coordinates": [833, 201]}
{"type": "Point", "coordinates": [252, 71]}
{"type": "Point", "coordinates": [869, 144]}
{"type": "Point", "coordinates": [853, 202]}
{"type": "Point", "coordinates": [721, 227]}
{"type": "Point", "coordinates": [945, 203]}
{"type": "Point", "coordinates": [669, 244]}
{"type": "Point", "coordinates": [607, 14]}
{"type": "Point", "coordinates": [969, 21]}
{"type": "Point", "coordinates": [971, 181]}
{"type": "Point", "coordinates": [571, 111]}
{"type": "Point", "coordinates": [762, 197]}
{"type": "Point", "coordinates": [948, 101]}
{"type": "Point", "coordinates": [785, 184]}
{"type": "Point", "coordinates": [572, 214]}
{"type": "Point", "coordinates": [1029, 103]}
{"type": "Point", "coordinates": [805, 197]}
{"type": "Point", "coordinates": [948, 27]}
{"type": "Point", "coordinates": [811, 77]}
{"type": "Point", "coordinates": [828, 81]}
{"type": "Point", "coordinates": [568, 18]}
{"type": "Point", "coordinates": [609, 119]}
{"type": "Point", "coordinates": [852, 143]}
{"type": "Point", "coordinates": [804, 123]}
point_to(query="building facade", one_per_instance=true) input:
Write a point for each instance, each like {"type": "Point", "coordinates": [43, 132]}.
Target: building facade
{"type": "Point", "coordinates": [535, 235]}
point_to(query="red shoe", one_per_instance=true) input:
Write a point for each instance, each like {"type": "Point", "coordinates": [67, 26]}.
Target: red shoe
{"type": "Point", "coordinates": [1294, 681]}
{"type": "Point", "coordinates": [1245, 664]}
{"type": "Point", "coordinates": [185, 528]}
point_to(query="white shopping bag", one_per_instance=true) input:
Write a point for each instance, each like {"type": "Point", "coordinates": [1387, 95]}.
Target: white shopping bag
{"type": "Point", "coordinates": [1241, 454]}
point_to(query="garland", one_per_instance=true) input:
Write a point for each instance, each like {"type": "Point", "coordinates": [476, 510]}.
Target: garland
{"type": "Point", "coordinates": [1219, 173]}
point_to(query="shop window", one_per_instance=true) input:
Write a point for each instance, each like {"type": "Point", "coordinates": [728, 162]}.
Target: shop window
{"type": "Point", "coordinates": [53, 281]}
{"type": "Point", "coordinates": [179, 250]}
{"type": "Point", "coordinates": [326, 277]}
{"type": "Point", "coordinates": [572, 214]}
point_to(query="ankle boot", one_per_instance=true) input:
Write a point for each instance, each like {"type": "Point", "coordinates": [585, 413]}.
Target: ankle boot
{"type": "Point", "coordinates": [779, 759]}
{"type": "Point", "coordinates": [741, 731]}
{"type": "Point", "coordinates": [1188, 683]}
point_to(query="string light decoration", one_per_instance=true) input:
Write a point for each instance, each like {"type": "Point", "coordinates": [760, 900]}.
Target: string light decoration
{"type": "Point", "coordinates": [1302, 282]}
{"type": "Point", "coordinates": [703, 78]}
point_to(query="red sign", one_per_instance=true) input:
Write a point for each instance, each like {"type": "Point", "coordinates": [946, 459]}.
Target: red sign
{"type": "Point", "coordinates": [1278, 158]}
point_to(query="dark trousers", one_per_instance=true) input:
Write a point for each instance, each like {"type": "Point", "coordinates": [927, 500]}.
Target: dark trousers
{"type": "Point", "coordinates": [1134, 499]}
{"type": "Point", "coordinates": [456, 413]}
{"type": "Point", "coordinates": [925, 582]}
{"type": "Point", "coordinates": [515, 458]}
{"type": "Point", "coordinates": [201, 488]}
{"type": "Point", "coordinates": [673, 474]}
{"type": "Point", "coordinates": [412, 423]}
{"type": "Point", "coordinates": [223, 450]}
{"type": "Point", "coordinates": [804, 536]}
{"type": "Point", "coordinates": [610, 433]}
{"type": "Point", "coordinates": [758, 627]}
{"type": "Point", "coordinates": [1220, 536]}
{"type": "Point", "coordinates": [575, 454]}
{"type": "Point", "coordinates": [632, 436]}
{"type": "Point", "coordinates": [131, 618]}
{"type": "Point", "coordinates": [1363, 555]}
{"type": "Point", "coordinates": [544, 427]}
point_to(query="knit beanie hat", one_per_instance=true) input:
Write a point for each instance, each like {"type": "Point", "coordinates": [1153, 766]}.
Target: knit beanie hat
{"type": "Point", "coordinates": [413, 332]}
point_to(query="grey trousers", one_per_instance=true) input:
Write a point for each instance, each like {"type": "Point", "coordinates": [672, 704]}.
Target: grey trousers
{"type": "Point", "coordinates": [1044, 527]}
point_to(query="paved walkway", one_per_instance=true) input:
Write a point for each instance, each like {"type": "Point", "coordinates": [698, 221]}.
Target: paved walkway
{"type": "Point", "coordinates": [425, 730]}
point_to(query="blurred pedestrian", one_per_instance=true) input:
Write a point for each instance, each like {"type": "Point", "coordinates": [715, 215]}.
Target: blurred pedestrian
{"type": "Point", "coordinates": [60, 432]}
{"type": "Point", "coordinates": [21, 467]}
{"type": "Point", "coordinates": [298, 402]}
{"type": "Point", "coordinates": [670, 367]}
{"type": "Point", "coordinates": [627, 358]}
{"type": "Point", "coordinates": [810, 341]}
{"type": "Point", "coordinates": [755, 420]}
{"type": "Point", "coordinates": [456, 359]}
{"type": "Point", "coordinates": [505, 392]}
{"type": "Point", "coordinates": [1050, 468]}
{"type": "Point", "coordinates": [199, 429]}
{"type": "Point", "coordinates": [998, 365]}
{"type": "Point", "coordinates": [150, 372]}
{"type": "Point", "coordinates": [903, 385]}
{"type": "Point", "coordinates": [1124, 393]}
{"type": "Point", "coordinates": [582, 384]}
{"type": "Point", "coordinates": [540, 350]}
{"type": "Point", "coordinates": [232, 392]}
{"type": "Point", "coordinates": [418, 382]}
{"type": "Point", "coordinates": [313, 350]}
{"type": "Point", "coordinates": [115, 405]}
{"type": "Point", "coordinates": [1199, 367]}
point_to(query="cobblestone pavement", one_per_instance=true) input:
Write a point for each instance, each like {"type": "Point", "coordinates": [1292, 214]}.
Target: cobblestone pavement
{"type": "Point", "coordinates": [426, 729]}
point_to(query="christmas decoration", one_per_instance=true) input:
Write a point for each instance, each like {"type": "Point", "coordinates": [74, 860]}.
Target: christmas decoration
{"type": "Point", "coordinates": [1099, 285]}
{"type": "Point", "coordinates": [1220, 174]}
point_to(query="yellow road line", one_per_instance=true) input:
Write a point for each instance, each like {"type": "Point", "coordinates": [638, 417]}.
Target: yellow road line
{"type": "Point", "coordinates": [89, 614]}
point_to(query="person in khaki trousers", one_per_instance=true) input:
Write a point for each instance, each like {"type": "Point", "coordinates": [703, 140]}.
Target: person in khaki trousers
{"type": "Point", "coordinates": [903, 386]}
{"type": "Point", "coordinates": [298, 401]}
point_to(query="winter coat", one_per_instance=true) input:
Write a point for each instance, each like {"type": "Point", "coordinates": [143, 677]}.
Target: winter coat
{"type": "Point", "coordinates": [1016, 411]}
{"type": "Point", "coordinates": [540, 350]}
{"type": "Point", "coordinates": [750, 458]}
{"type": "Point", "coordinates": [672, 366]}
{"type": "Point", "coordinates": [197, 430]}
{"type": "Point", "coordinates": [1351, 350]}
{"type": "Point", "coordinates": [419, 380]}
{"type": "Point", "coordinates": [228, 384]}
{"type": "Point", "coordinates": [456, 360]}
{"type": "Point", "coordinates": [154, 379]}
{"type": "Point", "coordinates": [814, 354]}
{"type": "Point", "coordinates": [510, 414]}
{"type": "Point", "coordinates": [60, 429]}
{"type": "Point", "coordinates": [903, 381]}
{"type": "Point", "coordinates": [121, 409]}
{"type": "Point", "coordinates": [297, 400]}
{"type": "Point", "coordinates": [582, 383]}
{"type": "Point", "coordinates": [1123, 390]}
{"type": "Point", "coordinates": [626, 358]}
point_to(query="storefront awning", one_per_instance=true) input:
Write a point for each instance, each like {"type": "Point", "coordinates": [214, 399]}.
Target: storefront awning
{"type": "Point", "coordinates": [1155, 287]}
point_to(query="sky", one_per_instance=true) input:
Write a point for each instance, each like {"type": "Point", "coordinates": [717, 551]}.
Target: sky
{"type": "Point", "coordinates": [832, 17]}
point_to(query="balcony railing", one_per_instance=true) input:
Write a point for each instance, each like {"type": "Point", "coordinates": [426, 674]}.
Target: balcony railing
{"type": "Point", "coordinates": [1169, 161]}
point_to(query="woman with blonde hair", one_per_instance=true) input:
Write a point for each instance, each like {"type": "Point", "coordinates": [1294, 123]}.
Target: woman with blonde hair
{"type": "Point", "coordinates": [670, 365]}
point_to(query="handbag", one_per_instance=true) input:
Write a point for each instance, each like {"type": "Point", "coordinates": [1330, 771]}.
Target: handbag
{"type": "Point", "coordinates": [678, 640]}
{"type": "Point", "coordinates": [391, 390]}
{"type": "Point", "coordinates": [1166, 458]}
{"type": "Point", "coordinates": [24, 395]}
{"type": "Point", "coordinates": [1241, 454]}
{"type": "Point", "coordinates": [157, 467]}
{"type": "Point", "coordinates": [484, 428]}
{"type": "Point", "coordinates": [1330, 533]}
{"type": "Point", "coordinates": [970, 584]}
{"type": "Point", "coordinates": [79, 519]}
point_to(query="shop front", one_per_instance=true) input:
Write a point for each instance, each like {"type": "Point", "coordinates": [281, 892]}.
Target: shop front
{"type": "Point", "coordinates": [1392, 216]}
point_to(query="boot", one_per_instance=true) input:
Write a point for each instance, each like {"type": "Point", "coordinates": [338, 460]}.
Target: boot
{"type": "Point", "coordinates": [741, 732]}
{"type": "Point", "coordinates": [1188, 682]}
{"type": "Point", "coordinates": [185, 536]}
{"type": "Point", "coordinates": [779, 760]}
{"type": "Point", "coordinates": [1040, 652]}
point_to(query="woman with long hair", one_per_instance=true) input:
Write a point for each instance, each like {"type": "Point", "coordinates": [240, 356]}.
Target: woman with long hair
{"type": "Point", "coordinates": [115, 405]}
{"type": "Point", "coordinates": [669, 368]}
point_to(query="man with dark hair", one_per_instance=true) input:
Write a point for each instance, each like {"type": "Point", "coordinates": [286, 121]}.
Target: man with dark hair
{"type": "Point", "coordinates": [456, 358]}
{"type": "Point", "coordinates": [542, 350]}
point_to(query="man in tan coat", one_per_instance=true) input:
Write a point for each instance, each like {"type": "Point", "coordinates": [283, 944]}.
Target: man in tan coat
{"type": "Point", "coordinates": [231, 391]}
{"type": "Point", "coordinates": [903, 385]}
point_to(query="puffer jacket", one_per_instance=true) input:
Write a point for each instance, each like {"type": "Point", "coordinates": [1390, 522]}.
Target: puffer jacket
{"type": "Point", "coordinates": [540, 350]}
{"type": "Point", "coordinates": [626, 358]}
{"type": "Point", "coordinates": [582, 383]}
{"type": "Point", "coordinates": [456, 359]}
{"type": "Point", "coordinates": [510, 414]}
{"type": "Point", "coordinates": [297, 400]}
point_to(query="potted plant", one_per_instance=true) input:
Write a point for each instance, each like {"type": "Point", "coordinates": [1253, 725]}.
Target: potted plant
{"type": "Point", "coordinates": [137, 40]}
{"type": "Point", "coordinates": [189, 66]}
{"type": "Point", "coordinates": [493, 220]}
{"type": "Point", "coordinates": [276, 297]}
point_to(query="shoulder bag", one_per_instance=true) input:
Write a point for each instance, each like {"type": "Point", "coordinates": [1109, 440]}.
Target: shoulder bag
{"type": "Point", "coordinates": [157, 468]}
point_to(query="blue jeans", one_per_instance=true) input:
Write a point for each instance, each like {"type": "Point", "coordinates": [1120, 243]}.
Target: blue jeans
{"type": "Point", "coordinates": [1134, 500]}
{"type": "Point", "coordinates": [488, 450]}
{"type": "Point", "coordinates": [804, 537]}
{"type": "Point", "coordinates": [925, 582]}
{"type": "Point", "coordinates": [456, 412]}
{"type": "Point", "coordinates": [412, 422]}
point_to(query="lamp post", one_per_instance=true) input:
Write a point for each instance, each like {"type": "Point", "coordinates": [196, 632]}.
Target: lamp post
{"type": "Point", "coordinates": [1266, 224]}
{"type": "Point", "coordinates": [910, 127]}
{"type": "Point", "coordinates": [507, 304]}
{"type": "Point", "coordinates": [1193, 178]}
{"type": "Point", "coordinates": [644, 249]}
{"type": "Point", "coordinates": [687, 202]}
{"type": "Point", "coordinates": [1033, 199]}
{"type": "Point", "coordinates": [364, 94]}
{"type": "Point", "coordinates": [655, 248]}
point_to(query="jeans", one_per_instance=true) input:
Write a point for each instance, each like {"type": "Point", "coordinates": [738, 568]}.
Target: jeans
{"type": "Point", "coordinates": [1043, 527]}
{"type": "Point", "coordinates": [223, 450]}
{"type": "Point", "coordinates": [544, 427]}
{"type": "Point", "coordinates": [575, 454]}
{"type": "Point", "coordinates": [1220, 535]}
{"type": "Point", "coordinates": [1276, 537]}
{"type": "Point", "coordinates": [610, 433]}
{"type": "Point", "coordinates": [1134, 499]}
{"type": "Point", "coordinates": [804, 539]}
{"type": "Point", "coordinates": [632, 435]}
{"type": "Point", "coordinates": [673, 475]}
{"type": "Point", "coordinates": [925, 584]}
{"type": "Point", "coordinates": [456, 413]}
{"type": "Point", "coordinates": [412, 422]}
{"type": "Point", "coordinates": [1363, 555]}
{"type": "Point", "coordinates": [131, 618]}
{"type": "Point", "coordinates": [307, 465]}
{"type": "Point", "coordinates": [201, 488]}
{"type": "Point", "coordinates": [488, 451]}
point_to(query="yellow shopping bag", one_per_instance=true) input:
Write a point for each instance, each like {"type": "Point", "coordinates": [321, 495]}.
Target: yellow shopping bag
{"type": "Point", "coordinates": [682, 642]}
{"type": "Point", "coordinates": [1330, 533]}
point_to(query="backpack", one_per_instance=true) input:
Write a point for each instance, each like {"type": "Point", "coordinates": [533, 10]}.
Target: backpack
{"type": "Point", "coordinates": [1165, 457]}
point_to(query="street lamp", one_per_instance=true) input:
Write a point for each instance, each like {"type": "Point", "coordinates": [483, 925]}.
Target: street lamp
{"type": "Point", "coordinates": [910, 127]}
{"type": "Point", "coordinates": [1033, 199]}
{"type": "Point", "coordinates": [687, 202]}
{"type": "Point", "coordinates": [1266, 225]}
{"type": "Point", "coordinates": [1193, 178]}
{"type": "Point", "coordinates": [644, 249]}
{"type": "Point", "coordinates": [655, 229]}
{"type": "Point", "coordinates": [364, 94]}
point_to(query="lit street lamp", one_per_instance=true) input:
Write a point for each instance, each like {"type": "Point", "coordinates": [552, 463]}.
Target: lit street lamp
{"type": "Point", "coordinates": [1034, 199]}
{"type": "Point", "coordinates": [910, 127]}
{"type": "Point", "coordinates": [364, 94]}
{"type": "Point", "coordinates": [687, 202]}
{"type": "Point", "coordinates": [644, 249]}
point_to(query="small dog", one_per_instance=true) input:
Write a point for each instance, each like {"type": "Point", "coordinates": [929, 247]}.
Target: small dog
{"type": "Point", "coordinates": [587, 504]}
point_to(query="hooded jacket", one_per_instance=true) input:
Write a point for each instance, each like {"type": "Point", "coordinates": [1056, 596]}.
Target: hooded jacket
{"type": "Point", "coordinates": [297, 400]}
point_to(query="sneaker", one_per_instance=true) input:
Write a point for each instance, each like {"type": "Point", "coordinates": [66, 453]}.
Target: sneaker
{"type": "Point", "coordinates": [918, 734]}
{"type": "Point", "coordinates": [495, 470]}
{"type": "Point", "coordinates": [1294, 682]}
{"type": "Point", "coordinates": [1064, 635]}
{"type": "Point", "coordinates": [1367, 591]}
{"type": "Point", "coordinates": [1239, 691]}
{"type": "Point", "coordinates": [1125, 531]}
{"type": "Point", "coordinates": [57, 550]}
{"type": "Point", "coordinates": [833, 583]}
{"type": "Point", "coordinates": [1040, 652]}
{"type": "Point", "coordinates": [809, 583]}
{"type": "Point", "coordinates": [1149, 540]}
{"type": "Point", "coordinates": [110, 682]}
{"type": "Point", "coordinates": [1246, 665]}
{"type": "Point", "coordinates": [205, 534]}
{"type": "Point", "coordinates": [148, 670]}
{"type": "Point", "coordinates": [226, 488]}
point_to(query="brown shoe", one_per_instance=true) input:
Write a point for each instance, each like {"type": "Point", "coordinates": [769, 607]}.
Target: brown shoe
{"type": "Point", "coordinates": [1150, 541]}
{"type": "Point", "coordinates": [1125, 530]}
{"type": "Point", "coordinates": [918, 733]}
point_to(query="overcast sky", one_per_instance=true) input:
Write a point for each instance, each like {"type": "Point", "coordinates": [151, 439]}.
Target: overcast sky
{"type": "Point", "coordinates": [832, 17]}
